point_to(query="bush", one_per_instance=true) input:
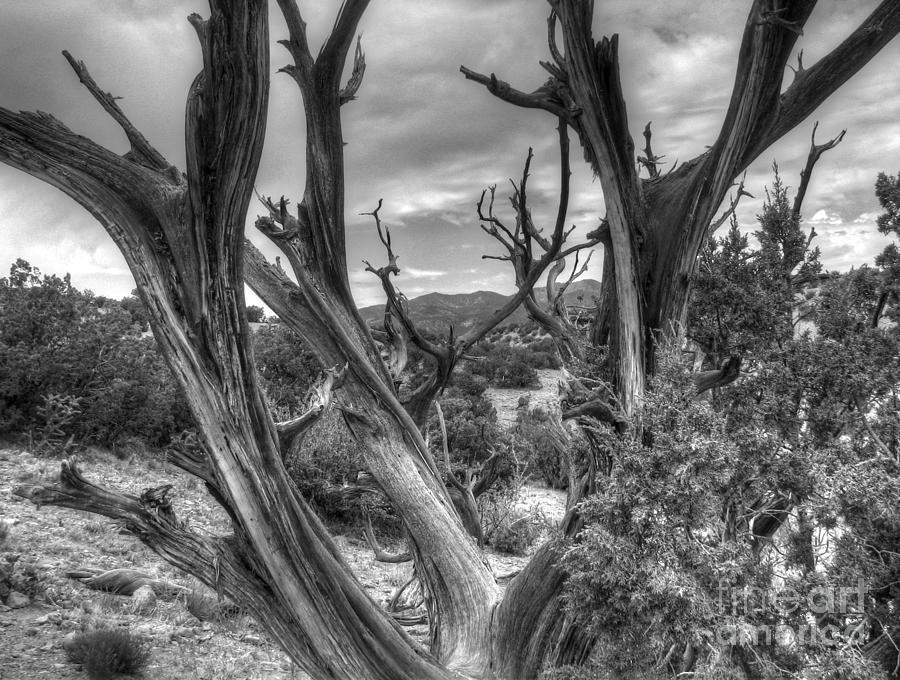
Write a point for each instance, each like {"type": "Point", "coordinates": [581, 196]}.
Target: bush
{"type": "Point", "coordinates": [328, 457]}
{"type": "Point", "coordinates": [518, 531]}
{"type": "Point", "coordinates": [286, 368]}
{"type": "Point", "coordinates": [107, 652]}
{"type": "Point", "coordinates": [541, 449]}
{"type": "Point", "coordinates": [73, 367]}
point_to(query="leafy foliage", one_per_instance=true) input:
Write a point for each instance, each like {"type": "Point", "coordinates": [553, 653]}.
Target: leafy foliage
{"type": "Point", "coordinates": [73, 365]}
{"type": "Point", "coordinates": [286, 368]}
{"type": "Point", "coordinates": [786, 480]}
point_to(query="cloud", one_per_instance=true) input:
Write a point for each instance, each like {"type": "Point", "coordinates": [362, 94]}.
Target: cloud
{"type": "Point", "coordinates": [422, 137]}
{"type": "Point", "coordinates": [867, 218]}
{"type": "Point", "coordinates": [414, 273]}
{"type": "Point", "coordinates": [825, 217]}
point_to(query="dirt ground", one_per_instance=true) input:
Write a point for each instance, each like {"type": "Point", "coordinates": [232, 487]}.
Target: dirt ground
{"type": "Point", "coordinates": [42, 545]}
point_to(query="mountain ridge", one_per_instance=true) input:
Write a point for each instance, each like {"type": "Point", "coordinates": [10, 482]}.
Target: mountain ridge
{"type": "Point", "coordinates": [436, 312]}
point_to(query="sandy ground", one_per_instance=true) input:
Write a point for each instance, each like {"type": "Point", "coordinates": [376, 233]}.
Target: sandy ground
{"type": "Point", "coordinates": [45, 543]}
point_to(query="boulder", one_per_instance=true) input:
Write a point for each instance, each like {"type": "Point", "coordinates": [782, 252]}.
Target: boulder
{"type": "Point", "coordinates": [143, 600]}
{"type": "Point", "coordinates": [16, 600]}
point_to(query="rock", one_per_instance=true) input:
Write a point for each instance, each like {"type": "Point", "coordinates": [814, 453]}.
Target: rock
{"type": "Point", "coordinates": [184, 632]}
{"type": "Point", "coordinates": [143, 600]}
{"type": "Point", "coordinates": [17, 600]}
{"type": "Point", "coordinates": [69, 641]}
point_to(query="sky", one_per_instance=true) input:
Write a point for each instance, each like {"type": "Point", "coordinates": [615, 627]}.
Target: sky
{"type": "Point", "coordinates": [426, 140]}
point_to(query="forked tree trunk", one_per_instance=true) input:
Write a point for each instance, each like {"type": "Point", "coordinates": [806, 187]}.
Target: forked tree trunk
{"type": "Point", "coordinates": [182, 236]}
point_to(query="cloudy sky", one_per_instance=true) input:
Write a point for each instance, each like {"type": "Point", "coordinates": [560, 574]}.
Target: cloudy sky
{"type": "Point", "coordinates": [422, 137]}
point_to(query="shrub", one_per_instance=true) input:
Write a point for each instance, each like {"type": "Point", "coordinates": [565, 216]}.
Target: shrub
{"type": "Point", "coordinates": [27, 579]}
{"type": "Point", "coordinates": [107, 652]}
{"type": "Point", "coordinates": [542, 449]}
{"type": "Point", "coordinates": [328, 457]}
{"type": "Point", "coordinates": [56, 413]}
{"type": "Point", "coordinates": [73, 367]}
{"type": "Point", "coordinates": [518, 531]}
{"type": "Point", "coordinates": [286, 368]}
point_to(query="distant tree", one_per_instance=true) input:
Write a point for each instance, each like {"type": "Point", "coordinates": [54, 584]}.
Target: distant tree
{"type": "Point", "coordinates": [255, 314]}
{"type": "Point", "coordinates": [133, 305]}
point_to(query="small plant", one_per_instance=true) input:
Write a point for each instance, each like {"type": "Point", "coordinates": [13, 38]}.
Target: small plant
{"type": "Point", "coordinates": [29, 580]}
{"type": "Point", "coordinates": [202, 606]}
{"type": "Point", "coordinates": [107, 652]}
{"type": "Point", "coordinates": [56, 412]}
{"type": "Point", "coordinates": [206, 607]}
{"type": "Point", "coordinates": [4, 531]}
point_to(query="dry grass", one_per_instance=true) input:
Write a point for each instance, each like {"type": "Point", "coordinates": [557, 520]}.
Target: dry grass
{"type": "Point", "coordinates": [109, 652]}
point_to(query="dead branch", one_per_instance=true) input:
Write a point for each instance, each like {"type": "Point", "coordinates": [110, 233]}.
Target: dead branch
{"type": "Point", "coordinates": [451, 478]}
{"type": "Point", "coordinates": [318, 400]}
{"type": "Point", "coordinates": [548, 97]}
{"type": "Point", "coordinates": [522, 240]}
{"type": "Point", "coordinates": [650, 161]}
{"type": "Point", "coordinates": [708, 380]}
{"type": "Point", "coordinates": [141, 150]}
{"type": "Point", "coordinates": [815, 153]}
{"type": "Point", "coordinates": [381, 555]}
{"type": "Point", "coordinates": [396, 301]}
{"type": "Point", "coordinates": [348, 93]}
{"type": "Point", "coordinates": [733, 203]}
{"type": "Point", "coordinates": [124, 582]}
{"type": "Point", "coordinates": [813, 85]}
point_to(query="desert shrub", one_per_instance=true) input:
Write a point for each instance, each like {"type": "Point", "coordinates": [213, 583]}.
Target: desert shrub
{"type": "Point", "coordinates": [255, 314]}
{"type": "Point", "coordinates": [469, 384]}
{"type": "Point", "coordinates": [518, 531]}
{"type": "Point", "coordinates": [513, 373]}
{"type": "Point", "coordinates": [204, 606]}
{"type": "Point", "coordinates": [26, 578]}
{"type": "Point", "coordinates": [73, 366]}
{"type": "Point", "coordinates": [541, 447]}
{"type": "Point", "coordinates": [504, 365]}
{"type": "Point", "coordinates": [133, 397]}
{"type": "Point", "coordinates": [587, 672]}
{"type": "Point", "coordinates": [326, 460]}
{"type": "Point", "coordinates": [55, 416]}
{"type": "Point", "coordinates": [107, 652]}
{"type": "Point", "coordinates": [286, 368]}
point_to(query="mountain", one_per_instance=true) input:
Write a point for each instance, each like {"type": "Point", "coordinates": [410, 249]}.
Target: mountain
{"type": "Point", "coordinates": [436, 312]}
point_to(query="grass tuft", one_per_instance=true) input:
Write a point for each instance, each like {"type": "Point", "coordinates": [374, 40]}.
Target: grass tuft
{"type": "Point", "coordinates": [107, 652]}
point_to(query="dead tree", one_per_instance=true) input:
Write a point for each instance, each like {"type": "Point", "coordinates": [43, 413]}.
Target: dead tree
{"type": "Point", "coordinates": [529, 251]}
{"type": "Point", "coordinates": [181, 233]}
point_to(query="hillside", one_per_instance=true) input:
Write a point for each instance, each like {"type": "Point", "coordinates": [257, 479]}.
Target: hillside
{"type": "Point", "coordinates": [435, 312]}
